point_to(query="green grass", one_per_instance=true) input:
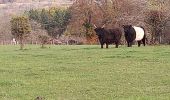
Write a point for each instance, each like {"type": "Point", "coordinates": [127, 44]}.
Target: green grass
{"type": "Point", "coordinates": [85, 73]}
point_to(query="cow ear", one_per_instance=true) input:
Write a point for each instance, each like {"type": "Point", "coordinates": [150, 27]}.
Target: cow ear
{"type": "Point", "coordinates": [123, 26]}
{"type": "Point", "coordinates": [95, 26]}
{"type": "Point", "coordinates": [103, 26]}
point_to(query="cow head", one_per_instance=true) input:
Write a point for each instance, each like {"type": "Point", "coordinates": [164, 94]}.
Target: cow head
{"type": "Point", "coordinates": [127, 28]}
{"type": "Point", "coordinates": [99, 30]}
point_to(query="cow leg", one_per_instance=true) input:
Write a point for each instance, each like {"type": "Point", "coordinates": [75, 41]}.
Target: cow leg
{"type": "Point", "coordinates": [107, 45]}
{"type": "Point", "coordinates": [117, 44]}
{"type": "Point", "coordinates": [131, 44]}
{"type": "Point", "coordinates": [139, 43]}
{"type": "Point", "coordinates": [144, 40]}
{"type": "Point", "coordinates": [128, 44]}
{"type": "Point", "coordinates": [102, 46]}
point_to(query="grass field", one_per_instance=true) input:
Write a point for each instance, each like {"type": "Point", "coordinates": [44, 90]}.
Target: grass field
{"type": "Point", "coordinates": [85, 73]}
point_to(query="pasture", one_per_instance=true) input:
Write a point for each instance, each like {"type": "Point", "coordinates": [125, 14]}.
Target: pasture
{"type": "Point", "coordinates": [85, 72]}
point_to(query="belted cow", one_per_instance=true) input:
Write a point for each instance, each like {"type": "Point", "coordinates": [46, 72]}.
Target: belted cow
{"type": "Point", "coordinates": [108, 36]}
{"type": "Point", "coordinates": [133, 33]}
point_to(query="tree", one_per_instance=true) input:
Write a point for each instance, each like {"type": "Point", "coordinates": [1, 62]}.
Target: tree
{"type": "Point", "coordinates": [20, 28]}
{"type": "Point", "coordinates": [44, 19]}
{"type": "Point", "coordinates": [112, 13]}
{"type": "Point", "coordinates": [36, 30]}
{"type": "Point", "coordinates": [156, 18]}
{"type": "Point", "coordinates": [82, 21]}
{"type": "Point", "coordinates": [43, 39]}
{"type": "Point", "coordinates": [53, 20]}
{"type": "Point", "coordinates": [34, 15]}
{"type": "Point", "coordinates": [59, 21]}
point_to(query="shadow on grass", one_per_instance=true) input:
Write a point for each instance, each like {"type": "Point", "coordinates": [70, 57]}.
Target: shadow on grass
{"type": "Point", "coordinates": [23, 49]}
{"type": "Point", "coordinates": [119, 56]}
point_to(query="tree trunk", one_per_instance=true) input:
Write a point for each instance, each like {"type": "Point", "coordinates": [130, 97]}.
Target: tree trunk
{"type": "Point", "coordinates": [42, 45]}
{"type": "Point", "coordinates": [21, 43]}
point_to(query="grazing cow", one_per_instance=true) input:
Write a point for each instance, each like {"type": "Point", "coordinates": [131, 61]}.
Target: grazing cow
{"type": "Point", "coordinates": [13, 41]}
{"type": "Point", "coordinates": [134, 33]}
{"type": "Point", "coordinates": [108, 36]}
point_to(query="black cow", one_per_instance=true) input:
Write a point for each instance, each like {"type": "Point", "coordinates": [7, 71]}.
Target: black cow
{"type": "Point", "coordinates": [134, 33]}
{"type": "Point", "coordinates": [108, 36]}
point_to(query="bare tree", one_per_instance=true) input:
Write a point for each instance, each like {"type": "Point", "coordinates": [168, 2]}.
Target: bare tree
{"type": "Point", "coordinates": [20, 28]}
{"type": "Point", "coordinates": [156, 17]}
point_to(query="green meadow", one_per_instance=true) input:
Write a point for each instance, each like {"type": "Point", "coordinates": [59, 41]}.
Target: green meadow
{"type": "Point", "coordinates": [85, 72]}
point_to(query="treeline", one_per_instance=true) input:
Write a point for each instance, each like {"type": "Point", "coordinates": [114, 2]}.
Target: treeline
{"type": "Point", "coordinates": [53, 20]}
{"type": "Point", "coordinates": [78, 19]}
{"type": "Point", "coordinates": [153, 15]}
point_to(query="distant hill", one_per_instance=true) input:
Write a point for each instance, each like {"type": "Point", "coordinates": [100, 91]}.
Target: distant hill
{"type": "Point", "coordinates": [12, 7]}
{"type": "Point", "coordinates": [30, 1]}
{"type": "Point", "coordinates": [31, 4]}
{"type": "Point", "coordinates": [9, 8]}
